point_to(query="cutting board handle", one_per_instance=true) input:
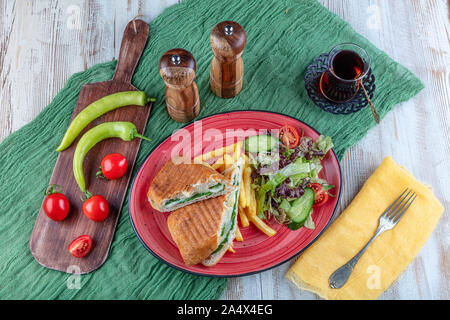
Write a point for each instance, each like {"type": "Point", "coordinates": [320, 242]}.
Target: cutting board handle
{"type": "Point", "coordinates": [133, 44]}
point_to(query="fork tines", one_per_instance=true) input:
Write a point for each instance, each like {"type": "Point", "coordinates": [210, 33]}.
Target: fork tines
{"type": "Point", "coordinates": [400, 205]}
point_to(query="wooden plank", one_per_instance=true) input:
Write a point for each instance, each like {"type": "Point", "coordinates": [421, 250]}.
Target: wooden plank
{"type": "Point", "coordinates": [50, 239]}
{"type": "Point", "coordinates": [124, 11]}
{"type": "Point", "coordinates": [42, 43]}
{"type": "Point", "coordinates": [41, 54]}
{"type": "Point", "coordinates": [7, 24]}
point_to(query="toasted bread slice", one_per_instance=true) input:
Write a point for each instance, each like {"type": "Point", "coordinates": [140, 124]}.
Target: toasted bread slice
{"type": "Point", "coordinates": [195, 228]}
{"type": "Point", "coordinates": [180, 183]}
{"type": "Point", "coordinates": [230, 223]}
{"type": "Point", "coordinates": [204, 230]}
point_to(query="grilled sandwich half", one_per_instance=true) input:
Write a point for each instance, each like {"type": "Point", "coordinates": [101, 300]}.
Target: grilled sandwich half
{"type": "Point", "coordinates": [205, 230]}
{"type": "Point", "coordinates": [180, 183]}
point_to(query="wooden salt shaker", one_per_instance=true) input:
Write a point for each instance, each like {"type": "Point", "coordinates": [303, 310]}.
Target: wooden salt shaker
{"type": "Point", "coordinates": [228, 40]}
{"type": "Point", "coordinates": [177, 68]}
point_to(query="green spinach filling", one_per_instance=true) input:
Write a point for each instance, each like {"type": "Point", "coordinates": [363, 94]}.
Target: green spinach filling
{"type": "Point", "coordinates": [233, 215]}
{"type": "Point", "coordinates": [236, 180]}
{"type": "Point", "coordinates": [213, 189]}
{"type": "Point", "coordinates": [217, 188]}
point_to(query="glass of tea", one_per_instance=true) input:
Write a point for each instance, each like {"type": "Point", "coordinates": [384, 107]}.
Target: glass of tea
{"type": "Point", "coordinates": [347, 65]}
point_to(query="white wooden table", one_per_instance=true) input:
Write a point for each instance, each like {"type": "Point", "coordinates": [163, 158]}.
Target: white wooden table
{"type": "Point", "coordinates": [43, 42]}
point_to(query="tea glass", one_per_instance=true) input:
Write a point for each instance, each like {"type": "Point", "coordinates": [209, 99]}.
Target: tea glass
{"type": "Point", "coordinates": [348, 64]}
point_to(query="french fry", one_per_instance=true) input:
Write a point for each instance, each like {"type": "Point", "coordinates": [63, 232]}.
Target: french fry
{"type": "Point", "coordinates": [208, 165]}
{"type": "Point", "coordinates": [243, 217]}
{"type": "Point", "coordinates": [250, 212]}
{"type": "Point", "coordinates": [262, 226]}
{"type": "Point", "coordinates": [198, 159]}
{"type": "Point", "coordinates": [250, 198]}
{"type": "Point", "coordinates": [216, 165]}
{"type": "Point", "coordinates": [237, 151]}
{"type": "Point", "coordinates": [231, 250]}
{"type": "Point", "coordinates": [242, 195]}
{"type": "Point", "coordinates": [246, 161]}
{"type": "Point", "coordinates": [252, 206]}
{"type": "Point", "coordinates": [214, 153]}
{"type": "Point", "coordinates": [227, 161]}
{"type": "Point", "coordinates": [247, 184]}
{"type": "Point", "coordinates": [239, 234]}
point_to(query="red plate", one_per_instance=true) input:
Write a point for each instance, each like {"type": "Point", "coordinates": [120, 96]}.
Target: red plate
{"type": "Point", "coordinates": [257, 252]}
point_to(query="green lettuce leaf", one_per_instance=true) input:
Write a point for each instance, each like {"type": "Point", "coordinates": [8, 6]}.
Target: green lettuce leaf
{"type": "Point", "coordinates": [323, 143]}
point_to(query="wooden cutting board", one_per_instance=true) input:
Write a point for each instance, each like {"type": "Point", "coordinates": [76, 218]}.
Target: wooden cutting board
{"type": "Point", "coordinates": [50, 239]}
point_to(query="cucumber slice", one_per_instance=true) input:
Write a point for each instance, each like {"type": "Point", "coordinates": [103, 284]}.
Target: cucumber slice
{"type": "Point", "coordinates": [300, 209]}
{"type": "Point", "coordinates": [261, 143]}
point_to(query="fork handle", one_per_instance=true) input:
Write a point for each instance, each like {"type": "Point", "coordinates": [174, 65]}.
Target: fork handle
{"type": "Point", "coordinates": [341, 275]}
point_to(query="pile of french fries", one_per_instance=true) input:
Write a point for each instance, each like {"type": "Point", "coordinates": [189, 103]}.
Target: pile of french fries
{"type": "Point", "coordinates": [247, 198]}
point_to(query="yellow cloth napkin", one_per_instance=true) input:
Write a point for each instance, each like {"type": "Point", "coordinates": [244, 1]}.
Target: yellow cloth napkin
{"type": "Point", "coordinates": [388, 256]}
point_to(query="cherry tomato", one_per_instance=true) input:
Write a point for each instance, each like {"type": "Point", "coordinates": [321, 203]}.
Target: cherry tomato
{"type": "Point", "coordinates": [56, 205]}
{"type": "Point", "coordinates": [289, 136]}
{"type": "Point", "coordinates": [320, 194]}
{"type": "Point", "coordinates": [96, 208]}
{"type": "Point", "coordinates": [114, 166]}
{"type": "Point", "coordinates": [81, 246]}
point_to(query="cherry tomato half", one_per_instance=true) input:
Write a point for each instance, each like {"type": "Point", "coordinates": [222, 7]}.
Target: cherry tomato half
{"type": "Point", "coordinates": [114, 166]}
{"type": "Point", "coordinates": [320, 194]}
{"type": "Point", "coordinates": [81, 246]}
{"type": "Point", "coordinates": [96, 208]}
{"type": "Point", "coordinates": [289, 136]}
{"type": "Point", "coordinates": [56, 205]}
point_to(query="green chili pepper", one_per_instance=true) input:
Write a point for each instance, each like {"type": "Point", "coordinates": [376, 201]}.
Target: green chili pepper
{"type": "Point", "coordinates": [99, 107]}
{"type": "Point", "coordinates": [124, 130]}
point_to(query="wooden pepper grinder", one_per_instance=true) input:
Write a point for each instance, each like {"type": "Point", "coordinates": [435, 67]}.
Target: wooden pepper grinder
{"type": "Point", "coordinates": [228, 40]}
{"type": "Point", "coordinates": [177, 68]}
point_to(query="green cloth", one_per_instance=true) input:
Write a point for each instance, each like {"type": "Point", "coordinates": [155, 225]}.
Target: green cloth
{"type": "Point", "coordinates": [283, 38]}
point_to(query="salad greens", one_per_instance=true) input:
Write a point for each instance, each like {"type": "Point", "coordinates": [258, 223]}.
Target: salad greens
{"type": "Point", "coordinates": [282, 175]}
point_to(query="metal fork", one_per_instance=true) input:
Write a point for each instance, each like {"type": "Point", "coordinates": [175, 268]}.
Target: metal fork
{"type": "Point", "coordinates": [387, 221]}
